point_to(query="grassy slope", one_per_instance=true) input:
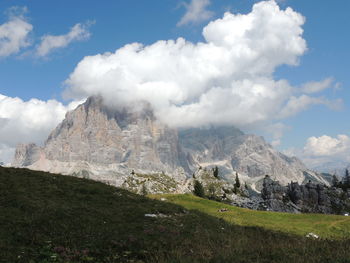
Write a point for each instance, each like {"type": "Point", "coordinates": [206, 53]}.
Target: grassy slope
{"type": "Point", "coordinates": [326, 226]}
{"type": "Point", "coordinates": [53, 218]}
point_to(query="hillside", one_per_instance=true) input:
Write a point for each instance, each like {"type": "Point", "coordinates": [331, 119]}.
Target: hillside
{"type": "Point", "coordinates": [53, 218]}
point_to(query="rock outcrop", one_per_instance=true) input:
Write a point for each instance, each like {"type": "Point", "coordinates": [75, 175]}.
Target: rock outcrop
{"type": "Point", "coordinates": [308, 198]}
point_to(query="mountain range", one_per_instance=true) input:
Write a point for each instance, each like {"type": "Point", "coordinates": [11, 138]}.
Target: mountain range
{"type": "Point", "coordinates": [110, 144]}
{"type": "Point", "coordinates": [333, 168]}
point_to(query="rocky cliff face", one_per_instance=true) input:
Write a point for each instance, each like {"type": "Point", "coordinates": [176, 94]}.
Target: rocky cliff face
{"type": "Point", "coordinates": [309, 197]}
{"type": "Point", "coordinates": [107, 144]}
{"type": "Point", "coordinates": [98, 135]}
{"type": "Point", "coordinates": [113, 145]}
{"type": "Point", "coordinates": [26, 154]}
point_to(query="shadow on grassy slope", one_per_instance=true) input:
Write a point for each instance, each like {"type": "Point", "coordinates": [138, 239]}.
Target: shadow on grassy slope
{"type": "Point", "coordinates": [54, 218]}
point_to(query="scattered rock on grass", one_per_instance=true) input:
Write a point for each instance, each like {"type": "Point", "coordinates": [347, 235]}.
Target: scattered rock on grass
{"type": "Point", "coordinates": [312, 235]}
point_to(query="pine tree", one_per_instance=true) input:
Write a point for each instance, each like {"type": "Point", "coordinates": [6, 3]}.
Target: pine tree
{"type": "Point", "coordinates": [237, 183]}
{"type": "Point", "coordinates": [347, 179]}
{"type": "Point", "coordinates": [234, 189]}
{"type": "Point", "coordinates": [335, 181]}
{"type": "Point", "coordinates": [216, 172]}
{"type": "Point", "coordinates": [198, 189]}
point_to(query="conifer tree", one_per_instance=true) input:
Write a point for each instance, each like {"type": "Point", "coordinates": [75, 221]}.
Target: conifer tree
{"type": "Point", "coordinates": [347, 179]}
{"type": "Point", "coordinates": [237, 183]}
{"type": "Point", "coordinates": [216, 172]}
{"type": "Point", "coordinates": [198, 189]}
{"type": "Point", "coordinates": [335, 181]}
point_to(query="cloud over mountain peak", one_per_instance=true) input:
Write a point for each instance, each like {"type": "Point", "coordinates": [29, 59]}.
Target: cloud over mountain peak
{"type": "Point", "coordinates": [225, 80]}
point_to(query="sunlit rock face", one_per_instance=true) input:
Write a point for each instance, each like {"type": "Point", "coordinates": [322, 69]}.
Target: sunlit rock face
{"type": "Point", "coordinates": [103, 140]}
{"type": "Point", "coordinates": [110, 144]}
{"type": "Point", "coordinates": [97, 134]}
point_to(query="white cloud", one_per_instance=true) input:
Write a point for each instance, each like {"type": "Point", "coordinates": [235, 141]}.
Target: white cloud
{"type": "Point", "coordinates": [78, 32]}
{"type": "Point", "coordinates": [303, 102]}
{"type": "Point", "coordinates": [317, 86]}
{"type": "Point", "coordinates": [225, 80]}
{"type": "Point", "coordinates": [196, 12]}
{"type": "Point", "coordinates": [6, 153]}
{"type": "Point", "coordinates": [14, 34]}
{"type": "Point", "coordinates": [27, 121]}
{"type": "Point", "coordinates": [276, 130]}
{"type": "Point", "coordinates": [327, 146]}
{"type": "Point", "coordinates": [324, 153]}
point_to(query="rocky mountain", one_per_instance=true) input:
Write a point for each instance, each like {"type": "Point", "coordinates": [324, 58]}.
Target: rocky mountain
{"type": "Point", "coordinates": [119, 145]}
{"type": "Point", "coordinates": [105, 144]}
{"type": "Point", "coordinates": [249, 155]}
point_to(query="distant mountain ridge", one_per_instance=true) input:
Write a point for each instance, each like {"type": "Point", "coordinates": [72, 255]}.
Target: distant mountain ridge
{"type": "Point", "coordinates": [334, 168]}
{"type": "Point", "coordinates": [108, 145]}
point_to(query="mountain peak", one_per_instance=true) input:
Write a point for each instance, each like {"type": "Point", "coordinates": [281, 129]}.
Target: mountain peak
{"type": "Point", "coordinates": [109, 141]}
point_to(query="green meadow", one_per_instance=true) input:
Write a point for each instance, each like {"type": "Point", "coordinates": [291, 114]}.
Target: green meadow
{"type": "Point", "coordinates": [325, 226]}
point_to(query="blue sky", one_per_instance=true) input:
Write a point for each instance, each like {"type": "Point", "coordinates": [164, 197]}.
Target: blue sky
{"type": "Point", "coordinates": [112, 24]}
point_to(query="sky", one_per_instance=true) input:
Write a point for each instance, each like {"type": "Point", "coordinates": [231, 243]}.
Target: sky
{"type": "Point", "coordinates": [274, 68]}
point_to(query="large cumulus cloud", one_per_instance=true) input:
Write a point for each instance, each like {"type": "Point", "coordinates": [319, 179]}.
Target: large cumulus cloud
{"type": "Point", "coordinates": [226, 79]}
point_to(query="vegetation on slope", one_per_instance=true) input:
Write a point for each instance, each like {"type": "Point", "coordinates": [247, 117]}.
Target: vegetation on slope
{"type": "Point", "coordinates": [53, 218]}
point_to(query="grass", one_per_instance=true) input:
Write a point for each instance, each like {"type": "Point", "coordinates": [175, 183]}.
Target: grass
{"type": "Point", "coordinates": [53, 218]}
{"type": "Point", "coordinates": [325, 226]}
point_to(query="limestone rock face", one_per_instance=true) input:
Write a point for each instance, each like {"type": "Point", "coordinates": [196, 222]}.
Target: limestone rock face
{"type": "Point", "coordinates": [26, 154]}
{"type": "Point", "coordinates": [98, 135]}
{"type": "Point", "coordinates": [106, 143]}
